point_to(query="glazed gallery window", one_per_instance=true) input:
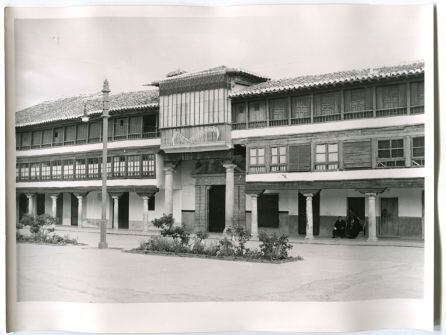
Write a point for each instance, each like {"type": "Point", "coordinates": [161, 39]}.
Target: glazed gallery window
{"type": "Point", "coordinates": [35, 171]}
{"type": "Point", "coordinates": [301, 109]}
{"type": "Point", "coordinates": [278, 112]}
{"type": "Point", "coordinates": [326, 157]}
{"type": "Point", "coordinates": [17, 171]}
{"type": "Point", "coordinates": [278, 159]}
{"type": "Point", "coordinates": [238, 113]}
{"type": "Point", "coordinates": [257, 160]}
{"type": "Point", "coordinates": [418, 151]}
{"type": "Point", "coordinates": [257, 114]}
{"type": "Point", "coordinates": [80, 169]}
{"type": "Point", "coordinates": [68, 169]}
{"type": "Point", "coordinates": [24, 171]}
{"type": "Point", "coordinates": [46, 170]}
{"type": "Point", "coordinates": [93, 168]}
{"type": "Point", "coordinates": [119, 166]}
{"type": "Point", "coordinates": [133, 166]}
{"type": "Point", "coordinates": [390, 153]}
{"type": "Point", "coordinates": [56, 170]}
{"type": "Point", "coordinates": [148, 165]}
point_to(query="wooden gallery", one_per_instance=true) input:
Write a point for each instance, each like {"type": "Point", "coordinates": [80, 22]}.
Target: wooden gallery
{"type": "Point", "coordinates": [226, 145]}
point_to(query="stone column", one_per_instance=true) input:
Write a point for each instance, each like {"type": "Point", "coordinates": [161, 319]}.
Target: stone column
{"type": "Point", "coordinates": [145, 213]}
{"type": "Point", "coordinates": [372, 216]}
{"type": "Point", "coordinates": [79, 210]}
{"type": "Point", "coordinates": [254, 217]}
{"type": "Point", "coordinates": [229, 195]}
{"type": "Point", "coordinates": [31, 207]}
{"type": "Point", "coordinates": [309, 210]}
{"type": "Point", "coordinates": [115, 211]}
{"type": "Point", "coordinates": [168, 190]}
{"type": "Point", "coordinates": [54, 205]}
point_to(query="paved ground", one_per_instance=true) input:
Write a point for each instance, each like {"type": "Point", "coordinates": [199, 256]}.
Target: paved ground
{"type": "Point", "coordinates": [329, 272]}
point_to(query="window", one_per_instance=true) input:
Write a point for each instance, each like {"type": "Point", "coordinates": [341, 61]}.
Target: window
{"type": "Point", "coordinates": [26, 140]}
{"type": "Point", "coordinates": [327, 106]}
{"type": "Point", "coordinates": [82, 132]}
{"type": "Point", "coordinates": [47, 137]}
{"type": "Point", "coordinates": [121, 128]}
{"type": "Point", "coordinates": [257, 114]}
{"type": "Point", "coordinates": [418, 151]}
{"type": "Point", "coordinates": [70, 134]}
{"type": "Point", "coordinates": [148, 165]}
{"type": "Point", "coordinates": [93, 168]}
{"type": "Point", "coordinates": [95, 132]}
{"type": "Point", "coordinates": [390, 153]}
{"type": "Point", "coordinates": [417, 98]}
{"type": "Point", "coordinates": [56, 169]}
{"type": "Point", "coordinates": [149, 128]}
{"type": "Point", "coordinates": [257, 160]}
{"type": "Point", "coordinates": [119, 166]}
{"type": "Point", "coordinates": [358, 103]}
{"type": "Point", "coordinates": [239, 115]}
{"type": "Point", "coordinates": [58, 134]}
{"type": "Point", "coordinates": [24, 171]}
{"type": "Point", "coordinates": [326, 157]}
{"type": "Point", "coordinates": [17, 171]}
{"type": "Point", "coordinates": [37, 139]}
{"type": "Point", "coordinates": [81, 169]}
{"type": "Point", "coordinates": [278, 159]}
{"type": "Point", "coordinates": [301, 109]}
{"type": "Point", "coordinates": [278, 112]}
{"type": "Point", "coordinates": [135, 126]}
{"type": "Point", "coordinates": [133, 166]}
{"type": "Point", "coordinates": [35, 171]}
{"type": "Point", "coordinates": [68, 169]}
{"type": "Point", "coordinates": [151, 203]}
{"type": "Point", "coordinates": [391, 100]}
{"type": "Point", "coordinates": [46, 170]}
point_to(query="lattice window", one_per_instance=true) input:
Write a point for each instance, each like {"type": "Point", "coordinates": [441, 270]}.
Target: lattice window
{"type": "Point", "coordinates": [68, 169]}
{"type": "Point", "coordinates": [390, 153]}
{"type": "Point", "coordinates": [326, 157]}
{"type": "Point", "coordinates": [46, 170]}
{"type": "Point", "coordinates": [119, 166]}
{"type": "Point", "coordinates": [278, 159]}
{"type": "Point", "coordinates": [257, 160]}
{"type": "Point", "coordinates": [34, 171]}
{"type": "Point", "coordinates": [56, 170]}
{"type": "Point", "coordinates": [418, 151]}
{"type": "Point", "coordinates": [148, 165]}
{"type": "Point", "coordinates": [133, 166]}
{"type": "Point", "coordinates": [24, 171]}
{"type": "Point", "coordinates": [81, 172]}
{"type": "Point", "coordinates": [93, 168]}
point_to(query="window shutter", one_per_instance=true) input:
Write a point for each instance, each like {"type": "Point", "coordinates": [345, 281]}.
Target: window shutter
{"type": "Point", "coordinates": [82, 132]}
{"type": "Point", "coordinates": [59, 133]}
{"type": "Point", "coordinates": [37, 137]}
{"type": "Point", "coordinates": [26, 139]}
{"type": "Point", "coordinates": [357, 155]}
{"type": "Point", "coordinates": [95, 130]}
{"type": "Point", "coordinates": [70, 133]}
{"type": "Point", "coordinates": [136, 125]}
{"type": "Point", "coordinates": [278, 109]}
{"type": "Point", "coordinates": [300, 157]}
{"type": "Point", "coordinates": [47, 136]}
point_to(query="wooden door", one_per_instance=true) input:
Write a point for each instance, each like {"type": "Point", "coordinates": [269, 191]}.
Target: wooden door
{"type": "Point", "coordinates": [40, 204]}
{"type": "Point", "coordinates": [302, 214]}
{"type": "Point", "coordinates": [357, 205]}
{"type": "Point", "coordinates": [23, 205]}
{"type": "Point", "coordinates": [74, 210]}
{"type": "Point", "coordinates": [389, 217]}
{"type": "Point", "coordinates": [268, 210]}
{"type": "Point", "coordinates": [217, 208]}
{"type": "Point", "coordinates": [123, 213]}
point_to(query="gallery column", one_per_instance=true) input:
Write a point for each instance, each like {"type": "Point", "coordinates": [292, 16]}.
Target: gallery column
{"type": "Point", "coordinates": [372, 216]}
{"type": "Point", "coordinates": [145, 213]}
{"type": "Point", "coordinates": [79, 210]}
{"type": "Point", "coordinates": [229, 195]}
{"type": "Point", "coordinates": [309, 214]}
{"type": "Point", "coordinates": [54, 205]}
{"type": "Point", "coordinates": [168, 190]}
{"type": "Point", "coordinates": [254, 217]}
{"type": "Point", "coordinates": [115, 211]}
{"type": "Point", "coordinates": [31, 207]}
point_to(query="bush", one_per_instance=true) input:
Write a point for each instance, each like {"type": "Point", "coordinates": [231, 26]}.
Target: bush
{"type": "Point", "coordinates": [178, 234]}
{"type": "Point", "coordinates": [159, 243]}
{"type": "Point", "coordinates": [242, 236]}
{"type": "Point", "coordinates": [274, 247]}
{"type": "Point", "coordinates": [225, 248]}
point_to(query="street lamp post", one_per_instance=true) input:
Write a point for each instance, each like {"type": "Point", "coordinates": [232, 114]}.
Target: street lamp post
{"type": "Point", "coordinates": [105, 116]}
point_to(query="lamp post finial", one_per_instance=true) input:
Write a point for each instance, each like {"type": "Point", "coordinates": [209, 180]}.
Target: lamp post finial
{"type": "Point", "coordinates": [105, 86]}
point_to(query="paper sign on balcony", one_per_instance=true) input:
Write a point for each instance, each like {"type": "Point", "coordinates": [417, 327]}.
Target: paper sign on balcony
{"type": "Point", "coordinates": [209, 134]}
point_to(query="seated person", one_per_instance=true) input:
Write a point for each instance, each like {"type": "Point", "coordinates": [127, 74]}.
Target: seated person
{"type": "Point", "coordinates": [339, 228]}
{"type": "Point", "coordinates": [353, 225]}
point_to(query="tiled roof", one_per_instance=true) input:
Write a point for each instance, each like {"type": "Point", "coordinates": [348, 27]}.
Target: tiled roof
{"type": "Point", "coordinates": [311, 81]}
{"type": "Point", "coordinates": [212, 71]}
{"type": "Point", "coordinates": [73, 107]}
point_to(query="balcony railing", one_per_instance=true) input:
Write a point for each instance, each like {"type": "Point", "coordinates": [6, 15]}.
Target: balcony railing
{"type": "Point", "coordinates": [391, 111]}
{"type": "Point", "coordinates": [279, 168]}
{"type": "Point", "coordinates": [275, 123]}
{"type": "Point", "coordinates": [326, 118]}
{"type": "Point", "coordinates": [417, 110]}
{"type": "Point", "coordinates": [358, 115]}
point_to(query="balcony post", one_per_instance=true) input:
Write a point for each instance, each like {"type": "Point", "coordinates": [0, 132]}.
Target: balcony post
{"type": "Point", "coordinates": [54, 205]}
{"type": "Point", "coordinates": [309, 214]}
{"type": "Point", "coordinates": [31, 207]}
{"type": "Point", "coordinates": [254, 217]}
{"type": "Point", "coordinates": [115, 211]}
{"type": "Point", "coordinates": [229, 194]}
{"type": "Point", "coordinates": [372, 216]}
{"type": "Point", "coordinates": [168, 189]}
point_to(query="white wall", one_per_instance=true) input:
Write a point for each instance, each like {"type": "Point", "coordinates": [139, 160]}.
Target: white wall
{"type": "Point", "coordinates": [66, 209]}
{"type": "Point", "coordinates": [409, 201]}
{"type": "Point", "coordinates": [136, 204]}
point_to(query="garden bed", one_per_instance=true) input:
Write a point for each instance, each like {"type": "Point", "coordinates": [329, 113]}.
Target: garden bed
{"type": "Point", "coordinates": [224, 258]}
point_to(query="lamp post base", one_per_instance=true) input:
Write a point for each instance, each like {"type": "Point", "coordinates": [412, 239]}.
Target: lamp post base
{"type": "Point", "coordinates": [102, 245]}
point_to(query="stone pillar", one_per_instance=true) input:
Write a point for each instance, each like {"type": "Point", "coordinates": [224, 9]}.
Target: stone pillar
{"type": "Point", "coordinates": [372, 216]}
{"type": "Point", "coordinates": [145, 213]}
{"type": "Point", "coordinates": [115, 211]}
{"type": "Point", "coordinates": [31, 206]}
{"type": "Point", "coordinates": [229, 195]}
{"type": "Point", "coordinates": [54, 205]}
{"type": "Point", "coordinates": [168, 190]}
{"type": "Point", "coordinates": [79, 210]}
{"type": "Point", "coordinates": [254, 217]}
{"type": "Point", "coordinates": [309, 211]}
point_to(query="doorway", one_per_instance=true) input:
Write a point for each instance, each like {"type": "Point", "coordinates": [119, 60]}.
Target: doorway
{"type": "Point", "coordinates": [123, 213]}
{"type": "Point", "coordinates": [357, 206]}
{"type": "Point", "coordinates": [74, 210]}
{"type": "Point", "coordinates": [23, 205]}
{"type": "Point", "coordinates": [389, 217]}
{"type": "Point", "coordinates": [59, 210]}
{"type": "Point", "coordinates": [40, 204]}
{"type": "Point", "coordinates": [302, 214]}
{"type": "Point", "coordinates": [217, 208]}
{"type": "Point", "coordinates": [268, 210]}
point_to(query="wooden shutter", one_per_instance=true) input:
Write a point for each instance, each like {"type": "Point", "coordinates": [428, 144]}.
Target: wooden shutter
{"type": "Point", "coordinates": [70, 134]}
{"type": "Point", "coordinates": [95, 130]}
{"type": "Point", "coordinates": [301, 106]}
{"type": "Point", "coordinates": [278, 109]}
{"type": "Point", "coordinates": [58, 135]}
{"type": "Point", "coordinates": [82, 131]}
{"type": "Point", "coordinates": [136, 125]}
{"type": "Point", "coordinates": [417, 94]}
{"type": "Point", "coordinates": [299, 157]}
{"type": "Point", "coordinates": [18, 140]}
{"type": "Point", "coordinates": [357, 155]}
{"type": "Point", "coordinates": [37, 137]}
{"type": "Point", "coordinates": [47, 136]}
{"type": "Point", "coordinates": [121, 127]}
{"type": "Point", "coordinates": [26, 139]}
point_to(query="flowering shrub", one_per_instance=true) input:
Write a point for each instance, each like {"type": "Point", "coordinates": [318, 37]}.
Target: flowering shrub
{"type": "Point", "coordinates": [178, 234]}
{"type": "Point", "coordinates": [241, 235]}
{"type": "Point", "coordinates": [274, 247]}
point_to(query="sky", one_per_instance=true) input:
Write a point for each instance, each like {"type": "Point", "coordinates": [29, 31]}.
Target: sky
{"type": "Point", "coordinates": [62, 57]}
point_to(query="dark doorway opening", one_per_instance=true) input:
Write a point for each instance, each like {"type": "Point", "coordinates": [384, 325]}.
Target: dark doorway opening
{"type": "Point", "coordinates": [74, 210]}
{"type": "Point", "coordinates": [268, 210]}
{"type": "Point", "coordinates": [59, 210]}
{"type": "Point", "coordinates": [302, 214]}
{"type": "Point", "coordinates": [123, 213]}
{"type": "Point", "coordinates": [149, 125]}
{"type": "Point", "coordinates": [217, 208]}
{"type": "Point", "coordinates": [357, 205]}
{"type": "Point", "coordinates": [40, 204]}
{"type": "Point", "coordinates": [389, 217]}
{"type": "Point", "coordinates": [23, 205]}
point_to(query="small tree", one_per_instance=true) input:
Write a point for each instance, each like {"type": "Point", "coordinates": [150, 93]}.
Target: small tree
{"type": "Point", "coordinates": [178, 234]}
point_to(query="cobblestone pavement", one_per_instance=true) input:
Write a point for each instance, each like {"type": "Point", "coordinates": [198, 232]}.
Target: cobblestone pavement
{"type": "Point", "coordinates": [328, 272]}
